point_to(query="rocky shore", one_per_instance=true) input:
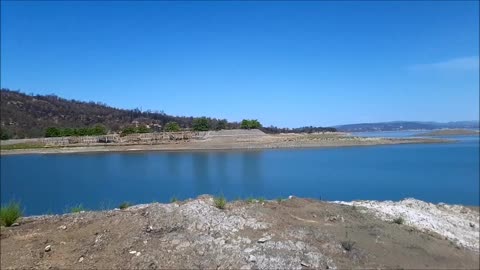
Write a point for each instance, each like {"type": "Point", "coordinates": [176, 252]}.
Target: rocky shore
{"type": "Point", "coordinates": [293, 233]}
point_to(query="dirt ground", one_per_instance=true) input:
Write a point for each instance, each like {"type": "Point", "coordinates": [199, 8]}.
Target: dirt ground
{"type": "Point", "coordinates": [294, 233]}
{"type": "Point", "coordinates": [230, 140]}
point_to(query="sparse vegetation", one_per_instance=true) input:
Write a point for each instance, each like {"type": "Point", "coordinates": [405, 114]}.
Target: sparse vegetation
{"type": "Point", "coordinates": [279, 199]}
{"type": "Point", "coordinates": [124, 205]}
{"type": "Point", "coordinates": [261, 200]}
{"type": "Point", "coordinates": [399, 220]}
{"type": "Point", "coordinates": [172, 127]}
{"type": "Point", "coordinates": [98, 129]}
{"type": "Point", "coordinates": [10, 213]}
{"type": "Point", "coordinates": [173, 199]}
{"type": "Point", "coordinates": [220, 202]}
{"type": "Point", "coordinates": [250, 200]}
{"type": "Point", "coordinates": [347, 244]}
{"type": "Point", "coordinates": [22, 146]}
{"type": "Point", "coordinates": [77, 208]}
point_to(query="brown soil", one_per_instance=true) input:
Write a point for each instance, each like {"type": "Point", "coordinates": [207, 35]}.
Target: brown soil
{"type": "Point", "coordinates": [294, 233]}
{"type": "Point", "coordinates": [241, 141]}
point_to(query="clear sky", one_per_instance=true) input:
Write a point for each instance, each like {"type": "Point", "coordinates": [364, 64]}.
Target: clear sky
{"type": "Point", "coordinates": [285, 63]}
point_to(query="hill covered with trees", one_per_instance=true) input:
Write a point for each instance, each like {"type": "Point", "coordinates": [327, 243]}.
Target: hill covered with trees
{"type": "Point", "coordinates": [27, 116]}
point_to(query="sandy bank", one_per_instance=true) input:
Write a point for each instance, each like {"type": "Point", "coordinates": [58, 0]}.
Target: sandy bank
{"type": "Point", "coordinates": [289, 234]}
{"type": "Point", "coordinates": [216, 141]}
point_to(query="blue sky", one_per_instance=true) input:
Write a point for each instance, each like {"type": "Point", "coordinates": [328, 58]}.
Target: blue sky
{"type": "Point", "coordinates": [285, 63]}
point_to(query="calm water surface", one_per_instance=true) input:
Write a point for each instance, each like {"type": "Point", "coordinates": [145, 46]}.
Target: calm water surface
{"type": "Point", "coordinates": [432, 172]}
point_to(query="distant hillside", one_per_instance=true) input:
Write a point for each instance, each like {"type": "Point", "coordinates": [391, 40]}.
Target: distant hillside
{"type": "Point", "coordinates": [29, 116]}
{"type": "Point", "coordinates": [24, 116]}
{"type": "Point", "coordinates": [406, 125]}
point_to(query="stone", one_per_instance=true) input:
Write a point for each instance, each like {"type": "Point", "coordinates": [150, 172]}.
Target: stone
{"type": "Point", "coordinates": [48, 248]}
{"type": "Point", "coordinates": [472, 225]}
{"type": "Point", "coordinates": [80, 260]}
{"type": "Point", "coordinates": [149, 228]}
{"type": "Point", "coordinates": [63, 227]}
{"type": "Point", "coordinates": [304, 264]}
{"type": "Point", "coordinates": [138, 254]}
{"type": "Point", "coordinates": [252, 258]}
{"type": "Point", "coordinates": [132, 252]}
{"type": "Point", "coordinates": [15, 224]}
{"type": "Point", "coordinates": [263, 240]}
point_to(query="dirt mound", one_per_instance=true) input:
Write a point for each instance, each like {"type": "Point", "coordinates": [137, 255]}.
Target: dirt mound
{"type": "Point", "coordinates": [455, 222]}
{"type": "Point", "coordinates": [288, 234]}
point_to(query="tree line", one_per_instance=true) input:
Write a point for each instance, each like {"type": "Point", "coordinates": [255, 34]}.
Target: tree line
{"type": "Point", "coordinates": [28, 116]}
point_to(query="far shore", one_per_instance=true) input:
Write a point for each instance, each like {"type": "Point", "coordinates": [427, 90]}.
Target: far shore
{"type": "Point", "coordinates": [451, 132]}
{"type": "Point", "coordinates": [224, 143]}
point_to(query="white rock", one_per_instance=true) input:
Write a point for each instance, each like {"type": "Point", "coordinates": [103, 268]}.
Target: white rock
{"type": "Point", "coordinates": [63, 227]}
{"type": "Point", "coordinates": [48, 248]}
{"type": "Point", "coordinates": [132, 252]}
{"type": "Point", "coordinates": [252, 258]}
{"type": "Point", "coordinates": [138, 254]}
{"type": "Point", "coordinates": [15, 224]}
{"type": "Point", "coordinates": [80, 260]}
{"type": "Point", "coordinates": [263, 239]}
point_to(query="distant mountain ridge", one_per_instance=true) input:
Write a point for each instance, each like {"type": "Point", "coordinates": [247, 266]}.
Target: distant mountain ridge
{"type": "Point", "coordinates": [406, 125]}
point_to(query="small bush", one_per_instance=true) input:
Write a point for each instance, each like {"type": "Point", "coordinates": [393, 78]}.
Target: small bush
{"type": "Point", "coordinates": [77, 208]}
{"type": "Point", "coordinates": [124, 205]}
{"type": "Point", "coordinates": [250, 200]}
{"type": "Point", "coordinates": [279, 199]}
{"type": "Point", "coordinates": [399, 220]}
{"type": "Point", "coordinates": [348, 244]}
{"type": "Point", "coordinates": [173, 199]}
{"type": "Point", "coordinates": [220, 202]}
{"type": "Point", "coordinates": [10, 213]}
{"type": "Point", "coordinates": [261, 200]}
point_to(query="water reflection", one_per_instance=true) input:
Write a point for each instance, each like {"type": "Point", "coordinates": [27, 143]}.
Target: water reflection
{"type": "Point", "coordinates": [201, 174]}
{"type": "Point", "coordinates": [252, 172]}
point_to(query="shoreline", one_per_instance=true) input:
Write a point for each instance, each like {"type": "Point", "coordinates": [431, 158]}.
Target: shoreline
{"type": "Point", "coordinates": [278, 142]}
{"type": "Point", "coordinates": [289, 234]}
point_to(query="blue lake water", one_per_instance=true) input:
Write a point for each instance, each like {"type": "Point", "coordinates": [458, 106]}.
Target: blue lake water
{"type": "Point", "coordinates": [432, 172]}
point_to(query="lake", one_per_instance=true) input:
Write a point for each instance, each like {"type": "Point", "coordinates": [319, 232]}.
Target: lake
{"type": "Point", "coordinates": [52, 183]}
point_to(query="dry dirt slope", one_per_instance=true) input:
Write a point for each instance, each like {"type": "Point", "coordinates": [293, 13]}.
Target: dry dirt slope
{"type": "Point", "coordinates": [295, 234]}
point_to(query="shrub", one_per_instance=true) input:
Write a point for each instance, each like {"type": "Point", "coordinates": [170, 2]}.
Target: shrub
{"type": "Point", "coordinates": [10, 213]}
{"type": "Point", "coordinates": [173, 199]}
{"type": "Point", "coordinates": [250, 124]}
{"type": "Point", "coordinates": [172, 127]}
{"type": "Point", "coordinates": [261, 200]}
{"type": "Point", "coordinates": [201, 124]}
{"type": "Point", "coordinates": [77, 208]}
{"type": "Point", "coordinates": [250, 200]}
{"type": "Point", "coordinates": [279, 199]}
{"type": "Point", "coordinates": [127, 131]}
{"type": "Point", "coordinates": [348, 244]}
{"type": "Point", "coordinates": [399, 220]}
{"type": "Point", "coordinates": [124, 205]}
{"type": "Point", "coordinates": [220, 202]}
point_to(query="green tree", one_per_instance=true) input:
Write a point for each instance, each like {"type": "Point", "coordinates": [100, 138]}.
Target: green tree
{"type": "Point", "coordinates": [201, 124]}
{"type": "Point", "coordinates": [52, 132]}
{"type": "Point", "coordinates": [143, 129]}
{"type": "Point", "coordinates": [250, 124]}
{"type": "Point", "coordinates": [245, 124]}
{"type": "Point", "coordinates": [99, 129]}
{"type": "Point", "coordinates": [222, 124]}
{"type": "Point", "coordinates": [68, 132]}
{"type": "Point", "coordinates": [127, 131]}
{"type": "Point", "coordinates": [172, 127]}
{"type": "Point", "coordinates": [4, 135]}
